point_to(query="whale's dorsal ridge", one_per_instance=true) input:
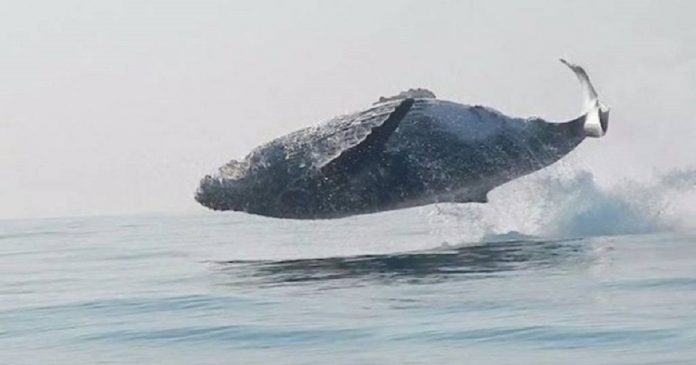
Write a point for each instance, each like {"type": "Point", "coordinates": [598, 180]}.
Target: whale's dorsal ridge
{"type": "Point", "coordinates": [419, 93]}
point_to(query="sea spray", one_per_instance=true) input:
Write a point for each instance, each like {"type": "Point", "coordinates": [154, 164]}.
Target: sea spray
{"type": "Point", "coordinates": [561, 203]}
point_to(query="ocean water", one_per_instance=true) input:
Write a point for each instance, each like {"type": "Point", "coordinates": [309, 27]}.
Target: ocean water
{"type": "Point", "coordinates": [436, 285]}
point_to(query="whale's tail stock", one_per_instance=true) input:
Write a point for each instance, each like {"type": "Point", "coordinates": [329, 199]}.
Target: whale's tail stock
{"type": "Point", "coordinates": [596, 114]}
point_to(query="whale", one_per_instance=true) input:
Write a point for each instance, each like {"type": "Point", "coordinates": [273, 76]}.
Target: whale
{"type": "Point", "coordinates": [407, 150]}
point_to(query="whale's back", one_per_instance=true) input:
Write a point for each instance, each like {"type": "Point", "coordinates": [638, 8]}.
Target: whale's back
{"type": "Point", "coordinates": [467, 123]}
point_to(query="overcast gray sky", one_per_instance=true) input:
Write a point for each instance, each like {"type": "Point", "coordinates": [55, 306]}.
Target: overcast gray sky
{"type": "Point", "coordinates": [121, 106]}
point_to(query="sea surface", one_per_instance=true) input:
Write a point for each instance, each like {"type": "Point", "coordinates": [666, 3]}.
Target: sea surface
{"type": "Point", "coordinates": [394, 288]}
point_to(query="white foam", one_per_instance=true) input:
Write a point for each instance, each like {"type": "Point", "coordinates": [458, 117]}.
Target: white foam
{"type": "Point", "coordinates": [565, 203]}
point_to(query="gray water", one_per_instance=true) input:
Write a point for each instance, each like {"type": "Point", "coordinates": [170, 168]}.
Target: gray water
{"type": "Point", "coordinates": [392, 288]}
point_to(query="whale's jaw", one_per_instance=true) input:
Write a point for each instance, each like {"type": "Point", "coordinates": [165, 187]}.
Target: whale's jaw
{"type": "Point", "coordinates": [218, 194]}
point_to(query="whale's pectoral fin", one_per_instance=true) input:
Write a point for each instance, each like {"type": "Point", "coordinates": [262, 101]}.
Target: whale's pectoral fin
{"type": "Point", "coordinates": [356, 156]}
{"type": "Point", "coordinates": [479, 197]}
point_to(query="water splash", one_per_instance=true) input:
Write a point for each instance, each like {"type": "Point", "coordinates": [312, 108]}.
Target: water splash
{"type": "Point", "coordinates": [566, 203]}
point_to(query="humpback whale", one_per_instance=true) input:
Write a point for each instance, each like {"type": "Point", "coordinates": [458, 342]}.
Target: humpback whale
{"type": "Point", "coordinates": [407, 150]}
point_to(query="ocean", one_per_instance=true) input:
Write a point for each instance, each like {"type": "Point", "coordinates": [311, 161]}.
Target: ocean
{"type": "Point", "coordinates": [432, 285]}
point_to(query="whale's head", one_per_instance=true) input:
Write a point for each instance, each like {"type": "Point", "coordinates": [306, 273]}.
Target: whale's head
{"type": "Point", "coordinates": [227, 189]}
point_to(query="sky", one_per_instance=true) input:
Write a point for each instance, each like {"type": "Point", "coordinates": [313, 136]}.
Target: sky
{"type": "Point", "coordinates": [119, 107]}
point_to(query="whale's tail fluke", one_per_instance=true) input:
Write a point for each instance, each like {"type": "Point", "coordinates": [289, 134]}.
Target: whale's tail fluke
{"type": "Point", "coordinates": [596, 114]}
